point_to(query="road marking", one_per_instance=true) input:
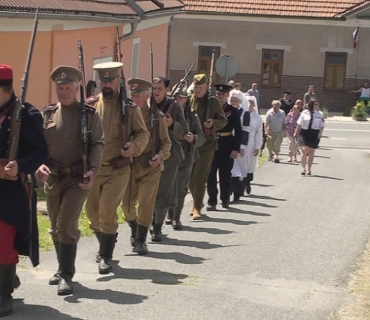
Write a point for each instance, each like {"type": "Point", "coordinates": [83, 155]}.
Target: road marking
{"type": "Point", "coordinates": [336, 138]}
{"type": "Point", "coordinates": [328, 146]}
{"type": "Point", "coordinates": [346, 130]}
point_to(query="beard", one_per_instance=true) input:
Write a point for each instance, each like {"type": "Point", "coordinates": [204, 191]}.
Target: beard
{"type": "Point", "coordinates": [108, 93]}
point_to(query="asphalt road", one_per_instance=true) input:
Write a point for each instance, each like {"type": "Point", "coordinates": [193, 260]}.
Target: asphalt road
{"type": "Point", "coordinates": [285, 252]}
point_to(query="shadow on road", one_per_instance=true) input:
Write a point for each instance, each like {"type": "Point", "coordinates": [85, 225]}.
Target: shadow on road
{"type": "Point", "coordinates": [176, 256]}
{"type": "Point", "coordinates": [118, 297]}
{"type": "Point", "coordinates": [326, 177]}
{"type": "Point", "coordinates": [264, 197]}
{"type": "Point", "coordinates": [156, 276]}
{"type": "Point", "coordinates": [233, 221]}
{"type": "Point", "coordinates": [257, 204]}
{"type": "Point", "coordinates": [190, 243]}
{"type": "Point", "coordinates": [207, 230]}
{"type": "Point", "coordinates": [252, 213]}
{"type": "Point", "coordinates": [24, 311]}
{"type": "Point", "coordinates": [263, 185]}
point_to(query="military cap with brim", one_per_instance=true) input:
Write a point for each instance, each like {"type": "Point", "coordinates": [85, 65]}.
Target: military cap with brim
{"type": "Point", "coordinates": [6, 75]}
{"type": "Point", "coordinates": [200, 79]}
{"type": "Point", "coordinates": [223, 88]}
{"type": "Point", "coordinates": [65, 74]}
{"type": "Point", "coordinates": [108, 71]}
{"type": "Point", "coordinates": [138, 85]}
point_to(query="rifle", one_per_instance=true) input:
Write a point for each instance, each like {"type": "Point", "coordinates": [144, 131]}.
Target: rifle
{"type": "Point", "coordinates": [182, 82]}
{"type": "Point", "coordinates": [122, 91]}
{"type": "Point", "coordinates": [153, 111]}
{"type": "Point", "coordinates": [207, 131]}
{"type": "Point", "coordinates": [85, 136]}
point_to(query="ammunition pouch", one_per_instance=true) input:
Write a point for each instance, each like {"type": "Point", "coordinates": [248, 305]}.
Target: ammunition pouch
{"type": "Point", "coordinates": [119, 161]}
{"type": "Point", "coordinates": [3, 175]}
{"type": "Point", "coordinates": [144, 159]}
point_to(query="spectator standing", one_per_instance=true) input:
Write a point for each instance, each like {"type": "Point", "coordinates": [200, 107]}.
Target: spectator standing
{"type": "Point", "coordinates": [275, 129]}
{"type": "Point", "coordinates": [292, 119]}
{"type": "Point", "coordinates": [364, 93]}
{"type": "Point", "coordinates": [254, 92]}
{"type": "Point", "coordinates": [310, 94]}
{"type": "Point", "coordinates": [286, 103]}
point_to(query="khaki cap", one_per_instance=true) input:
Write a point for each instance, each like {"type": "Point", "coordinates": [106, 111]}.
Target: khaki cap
{"type": "Point", "coordinates": [200, 79]}
{"type": "Point", "coordinates": [65, 74]}
{"type": "Point", "coordinates": [108, 71]}
{"type": "Point", "coordinates": [138, 85]}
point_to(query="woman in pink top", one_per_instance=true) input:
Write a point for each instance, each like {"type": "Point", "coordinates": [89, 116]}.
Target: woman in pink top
{"type": "Point", "coordinates": [292, 118]}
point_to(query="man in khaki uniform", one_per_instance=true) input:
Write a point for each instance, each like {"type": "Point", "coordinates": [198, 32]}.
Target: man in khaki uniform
{"type": "Point", "coordinates": [62, 172]}
{"type": "Point", "coordinates": [147, 169]}
{"type": "Point", "coordinates": [114, 175]}
{"type": "Point", "coordinates": [215, 121]}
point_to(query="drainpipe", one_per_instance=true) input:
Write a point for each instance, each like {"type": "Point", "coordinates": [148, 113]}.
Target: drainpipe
{"type": "Point", "coordinates": [168, 47]}
{"type": "Point", "coordinates": [130, 33]}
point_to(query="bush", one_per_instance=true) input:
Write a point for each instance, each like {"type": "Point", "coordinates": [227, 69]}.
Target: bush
{"type": "Point", "coordinates": [359, 111]}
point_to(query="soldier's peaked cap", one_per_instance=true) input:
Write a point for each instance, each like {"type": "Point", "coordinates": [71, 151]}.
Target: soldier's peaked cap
{"type": "Point", "coordinates": [200, 79]}
{"type": "Point", "coordinates": [6, 75]}
{"type": "Point", "coordinates": [65, 74]}
{"type": "Point", "coordinates": [138, 85]}
{"type": "Point", "coordinates": [223, 88]}
{"type": "Point", "coordinates": [108, 71]}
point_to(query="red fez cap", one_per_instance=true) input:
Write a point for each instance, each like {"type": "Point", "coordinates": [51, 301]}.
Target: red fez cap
{"type": "Point", "coordinates": [6, 75]}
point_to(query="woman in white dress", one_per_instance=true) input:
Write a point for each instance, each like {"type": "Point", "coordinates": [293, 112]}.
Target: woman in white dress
{"type": "Point", "coordinates": [239, 170]}
{"type": "Point", "coordinates": [254, 144]}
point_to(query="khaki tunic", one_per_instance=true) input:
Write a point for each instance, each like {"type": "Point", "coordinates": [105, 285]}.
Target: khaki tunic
{"type": "Point", "coordinates": [111, 183]}
{"type": "Point", "coordinates": [145, 179]}
{"type": "Point", "coordinates": [62, 128]}
{"type": "Point", "coordinates": [203, 165]}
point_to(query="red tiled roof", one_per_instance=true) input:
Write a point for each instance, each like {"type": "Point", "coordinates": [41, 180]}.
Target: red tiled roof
{"type": "Point", "coordinates": [288, 8]}
{"type": "Point", "coordinates": [113, 8]}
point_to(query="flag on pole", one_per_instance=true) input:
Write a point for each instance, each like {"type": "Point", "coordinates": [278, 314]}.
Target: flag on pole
{"type": "Point", "coordinates": [355, 37]}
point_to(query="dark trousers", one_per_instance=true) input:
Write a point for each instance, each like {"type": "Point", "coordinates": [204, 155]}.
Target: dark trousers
{"type": "Point", "coordinates": [223, 164]}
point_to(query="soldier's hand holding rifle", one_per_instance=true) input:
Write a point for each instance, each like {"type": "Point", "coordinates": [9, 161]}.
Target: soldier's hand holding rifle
{"type": "Point", "coordinates": [91, 178]}
{"type": "Point", "coordinates": [43, 172]}
{"type": "Point", "coordinates": [208, 124]}
{"type": "Point", "coordinates": [156, 160]}
{"type": "Point", "coordinates": [169, 120]}
{"type": "Point", "coordinates": [128, 150]}
{"type": "Point", "coordinates": [190, 137]}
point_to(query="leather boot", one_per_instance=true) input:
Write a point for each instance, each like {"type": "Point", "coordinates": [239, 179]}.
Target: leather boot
{"type": "Point", "coordinates": [133, 226]}
{"type": "Point", "coordinates": [141, 247]}
{"type": "Point", "coordinates": [107, 243]}
{"type": "Point", "coordinates": [176, 223]}
{"type": "Point", "coordinates": [157, 233]}
{"type": "Point", "coordinates": [7, 275]}
{"type": "Point", "coordinates": [67, 257]}
{"type": "Point", "coordinates": [54, 280]}
{"type": "Point", "coordinates": [97, 235]}
{"type": "Point", "coordinates": [170, 215]}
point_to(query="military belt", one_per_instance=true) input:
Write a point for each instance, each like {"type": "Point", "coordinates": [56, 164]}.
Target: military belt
{"type": "Point", "coordinates": [224, 134]}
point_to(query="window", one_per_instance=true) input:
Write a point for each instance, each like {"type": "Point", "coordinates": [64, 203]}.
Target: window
{"type": "Point", "coordinates": [135, 57]}
{"type": "Point", "coordinates": [335, 70]}
{"type": "Point", "coordinates": [272, 68]}
{"type": "Point", "coordinates": [204, 60]}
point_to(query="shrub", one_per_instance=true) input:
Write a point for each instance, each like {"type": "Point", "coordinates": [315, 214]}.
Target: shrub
{"type": "Point", "coordinates": [359, 111]}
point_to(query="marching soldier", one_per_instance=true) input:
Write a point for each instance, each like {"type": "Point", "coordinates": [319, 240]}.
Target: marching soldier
{"type": "Point", "coordinates": [216, 120]}
{"type": "Point", "coordinates": [229, 138]}
{"type": "Point", "coordinates": [147, 168]}
{"type": "Point", "coordinates": [177, 129]}
{"type": "Point", "coordinates": [193, 140]}
{"type": "Point", "coordinates": [63, 173]}
{"type": "Point", "coordinates": [16, 213]}
{"type": "Point", "coordinates": [114, 175]}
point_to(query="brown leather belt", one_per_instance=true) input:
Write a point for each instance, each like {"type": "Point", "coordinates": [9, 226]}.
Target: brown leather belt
{"type": "Point", "coordinates": [224, 134]}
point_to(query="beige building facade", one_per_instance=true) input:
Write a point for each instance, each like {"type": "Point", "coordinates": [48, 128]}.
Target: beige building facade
{"type": "Point", "coordinates": [279, 53]}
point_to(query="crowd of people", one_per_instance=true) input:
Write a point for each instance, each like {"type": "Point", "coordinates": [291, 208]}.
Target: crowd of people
{"type": "Point", "coordinates": [143, 153]}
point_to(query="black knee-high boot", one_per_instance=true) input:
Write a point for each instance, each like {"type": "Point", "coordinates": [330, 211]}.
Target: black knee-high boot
{"type": "Point", "coordinates": [7, 275]}
{"type": "Point", "coordinates": [54, 280]}
{"type": "Point", "coordinates": [67, 257]}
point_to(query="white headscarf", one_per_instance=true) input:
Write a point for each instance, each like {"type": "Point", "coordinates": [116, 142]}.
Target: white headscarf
{"type": "Point", "coordinates": [237, 94]}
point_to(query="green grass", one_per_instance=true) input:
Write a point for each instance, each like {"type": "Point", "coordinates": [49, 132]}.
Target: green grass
{"type": "Point", "coordinates": [43, 221]}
